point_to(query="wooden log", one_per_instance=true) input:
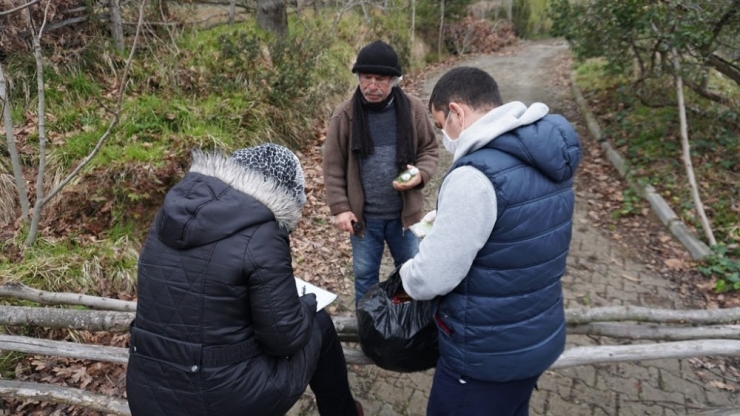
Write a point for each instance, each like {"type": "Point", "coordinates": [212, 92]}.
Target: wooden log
{"type": "Point", "coordinates": [114, 406]}
{"type": "Point", "coordinates": [68, 395]}
{"type": "Point", "coordinates": [104, 353]}
{"type": "Point", "coordinates": [38, 346]}
{"type": "Point", "coordinates": [655, 332]}
{"type": "Point", "coordinates": [18, 290]}
{"type": "Point", "coordinates": [93, 320]}
{"type": "Point", "coordinates": [642, 314]}
{"type": "Point", "coordinates": [718, 412]}
{"type": "Point", "coordinates": [66, 318]}
{"type": "Point", "coordinates": [577, 316]}
{"type": "Point", "coordinates": [604, 354]}
{"type": "Point", "coordinates": [572, 357]}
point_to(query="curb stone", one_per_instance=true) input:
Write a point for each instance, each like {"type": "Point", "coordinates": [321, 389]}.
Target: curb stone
{"type": "Point", "coordinates": [696, 248]}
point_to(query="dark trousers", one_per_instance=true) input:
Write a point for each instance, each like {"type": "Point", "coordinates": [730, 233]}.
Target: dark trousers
{"type": "Point", "coordinates": [329, 382]}
{"type": "Point", "coordinates": [456, 395]}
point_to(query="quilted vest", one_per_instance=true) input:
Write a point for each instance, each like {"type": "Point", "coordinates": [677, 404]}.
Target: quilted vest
{"type": "Point", "coordinates": [506, 318]}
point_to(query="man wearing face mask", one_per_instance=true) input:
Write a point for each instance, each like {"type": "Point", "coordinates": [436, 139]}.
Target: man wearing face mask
{"type": "Point", "coordinates": [373, 137]}
{"type": "Point", "coordinates": [496, 252]}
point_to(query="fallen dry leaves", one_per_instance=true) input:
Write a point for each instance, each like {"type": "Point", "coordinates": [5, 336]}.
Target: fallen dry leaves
{"type": "Point", "coordinates": [321, 253]}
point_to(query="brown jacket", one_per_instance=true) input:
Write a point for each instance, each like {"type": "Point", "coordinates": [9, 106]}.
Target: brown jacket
{"type": "Point", "coordinates": [342, 171]}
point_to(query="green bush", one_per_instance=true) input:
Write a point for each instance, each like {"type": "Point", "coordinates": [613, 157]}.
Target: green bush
{"type": "Point", "coordinates": [520, 17]}
{"type": "Point", "coordinates": [723, 268]}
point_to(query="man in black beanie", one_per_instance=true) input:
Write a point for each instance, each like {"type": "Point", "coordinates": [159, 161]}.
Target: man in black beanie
{"type": "Point", "coordinates": [372, 138]}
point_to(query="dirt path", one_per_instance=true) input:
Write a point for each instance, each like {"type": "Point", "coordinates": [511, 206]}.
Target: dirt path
{"type": "Point", "coordinates": [521, 76]}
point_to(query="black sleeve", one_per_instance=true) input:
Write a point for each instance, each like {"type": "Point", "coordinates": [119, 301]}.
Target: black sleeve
{"type": "Point", "coordinates": [281, 319]}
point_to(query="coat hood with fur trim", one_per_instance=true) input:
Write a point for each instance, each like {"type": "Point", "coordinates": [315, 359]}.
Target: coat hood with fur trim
{"type": "Point", "coordinates": [217, 198]}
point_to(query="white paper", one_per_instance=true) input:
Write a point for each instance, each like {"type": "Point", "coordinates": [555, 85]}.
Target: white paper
{"type": "Point", "coordinates": [422, 228]}
{"type": "Point", "coordinates": [323, 296]}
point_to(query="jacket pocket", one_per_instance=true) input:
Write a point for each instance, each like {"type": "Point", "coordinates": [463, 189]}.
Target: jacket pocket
{"type": "Point", "coordinates": [158, 375]}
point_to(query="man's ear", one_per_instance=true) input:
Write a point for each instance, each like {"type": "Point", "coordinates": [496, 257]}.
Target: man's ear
{"type": "Point", "coordinates": [457, 109]}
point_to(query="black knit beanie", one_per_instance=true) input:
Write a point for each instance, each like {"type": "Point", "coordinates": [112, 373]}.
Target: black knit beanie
{"type": "Point", "coordinates": [378, 58]}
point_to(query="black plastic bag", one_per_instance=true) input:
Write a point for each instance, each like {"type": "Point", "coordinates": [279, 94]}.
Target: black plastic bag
{"type": "Point", "coordinates": [397, 336]}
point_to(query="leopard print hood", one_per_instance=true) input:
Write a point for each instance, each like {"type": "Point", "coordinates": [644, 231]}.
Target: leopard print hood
{"type": "Point", "coordinates": [269, 173]}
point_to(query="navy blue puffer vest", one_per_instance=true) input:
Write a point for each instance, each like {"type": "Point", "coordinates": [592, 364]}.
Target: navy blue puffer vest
{"type": "Point", "coordinates": [506, 320]}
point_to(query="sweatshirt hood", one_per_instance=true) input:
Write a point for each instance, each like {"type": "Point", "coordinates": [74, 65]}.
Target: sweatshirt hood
{"type": "Point", "coordinates": [497, 122]}
{"type": "Point", "coordinates": [548, 143]}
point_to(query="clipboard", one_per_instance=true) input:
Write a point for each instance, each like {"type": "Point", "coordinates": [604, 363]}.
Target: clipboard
{"type": "Point", "coordinates": [323, 296]}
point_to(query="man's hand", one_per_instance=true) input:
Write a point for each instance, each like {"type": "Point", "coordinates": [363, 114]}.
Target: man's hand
{"type": "Point", "coordinates": [414, 181]}
{"type": "Point", "coordinates": [344, 221]}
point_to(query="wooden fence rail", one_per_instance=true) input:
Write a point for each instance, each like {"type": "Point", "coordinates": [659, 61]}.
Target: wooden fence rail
{"type": "Point", "coordinates": [682, 334]}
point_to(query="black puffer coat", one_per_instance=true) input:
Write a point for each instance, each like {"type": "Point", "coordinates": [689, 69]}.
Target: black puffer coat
{"type": "Point", "coordinates": [219, 328]}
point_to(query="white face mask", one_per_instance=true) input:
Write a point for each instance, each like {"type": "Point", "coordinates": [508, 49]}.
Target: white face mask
{"type": "Point", "coordinates": [450, 144]}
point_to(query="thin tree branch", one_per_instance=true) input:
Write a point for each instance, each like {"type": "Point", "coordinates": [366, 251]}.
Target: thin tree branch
{"type": "Point", "coordinates": [725, 67]}
{"type": "Point", "coordinates": [726, 18]}
{"type": "Point", "coordinates": [21, 7]}
{"type": "Point", "coordinates": [46, 16]}
{"type": "Point", "coordinates": [20, 181]}
{"type": "Point", "coordinates": [703, 92]}
{"type": "Point", "coordinates": [56, 25]}
{"type": "Point", "coordinates": [698, 204]}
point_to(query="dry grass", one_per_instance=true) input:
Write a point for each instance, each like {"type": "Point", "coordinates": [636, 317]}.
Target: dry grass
{"type": "Point", "coordinates": [8, 198]}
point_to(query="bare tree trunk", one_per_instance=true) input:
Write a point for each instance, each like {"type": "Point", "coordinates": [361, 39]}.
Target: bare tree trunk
{"type": "Point", "coordinates": [20, 182]}
{"type": "Point", "coordinates": [441, 27]}
{"type": "Point", "coordinates": [413, 22]}
{"type": "Point", "coordinates": [687, 154]}
{"type": "Point", "coordinates": [36, 36]}
{"type": "Point", "coordinates": [232, 9]}
{"type": "Point", "coordinates": [116, 27]}
{"type": "Point", "coordinates": [509, 10]}
{"type": "Point", "coordinates": [272, 16]}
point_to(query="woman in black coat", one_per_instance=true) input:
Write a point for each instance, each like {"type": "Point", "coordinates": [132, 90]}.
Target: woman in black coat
{"type": "Point", "coordinates": [220, 328]}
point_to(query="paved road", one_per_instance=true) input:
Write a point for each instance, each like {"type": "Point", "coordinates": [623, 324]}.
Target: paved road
{"type": "Point", "coordinates": [599, 274]}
